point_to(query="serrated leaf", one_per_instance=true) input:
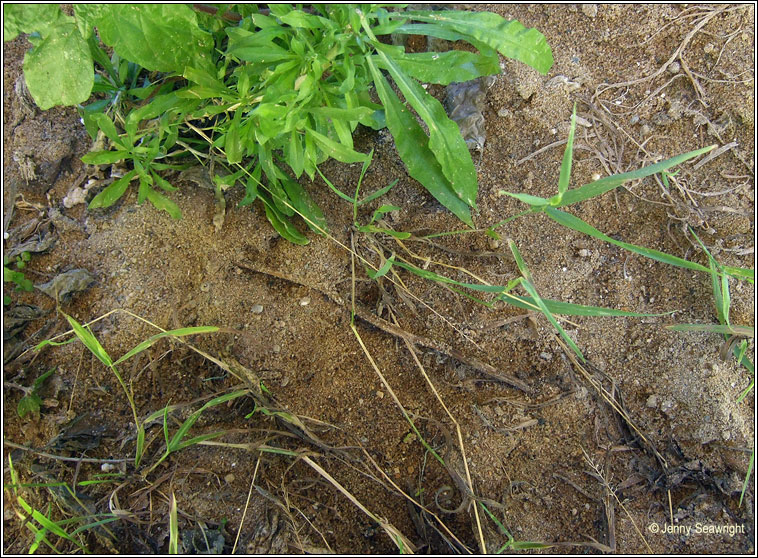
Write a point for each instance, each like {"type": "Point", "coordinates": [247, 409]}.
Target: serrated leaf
{"type": "Point", "coordinates": [509, 38]}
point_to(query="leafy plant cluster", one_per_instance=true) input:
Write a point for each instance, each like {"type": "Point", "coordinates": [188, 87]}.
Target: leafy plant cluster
{"type": "Point", "coordinates": [16, 276]}
{"type": "Point", "coordinates": [272, 93]}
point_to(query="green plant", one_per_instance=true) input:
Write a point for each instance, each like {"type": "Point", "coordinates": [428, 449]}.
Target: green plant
{"type": "Point", "coordinates": [85, 335]}
{"type": "Point", "coordinates": [266, 90]}
{"type": "Point", "coordinates": [31, 401]}
{"type": "Point", "coordinates": [17, 277]}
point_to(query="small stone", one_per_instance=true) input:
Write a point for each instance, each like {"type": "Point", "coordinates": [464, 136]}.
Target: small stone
{"type": "Point", "coordinates": [493, 243]}
{"type": "Point", "coordinates": [305, 301]}
{"type": "Point", "coordinates": [596, 176]}
{"type": "Point", "coordinates": [230, 478]}
{"type": "Point", "coordinates": [380, 394]}
{"type": "Point", "coordinates": [584, 253]}
{"type": "Point", "coordinates": [667, 405]}
{"type": "Point", "coordinates": [107, 467]}
{"type": "Point", "coordinates": [205, 287]}
{"type": "Point", "coordinates": [590, 10]}
{"type": "Point", "coordinates": [277, 349]}
{"type": "Point", "coordinates": [674, 68]}
{"type": "Point", "coordinates": [546, 356]}
{"type": "Point", "coordinates": [645, 130]}
{"type": "Point", "coordinates": [652, 402]}
{"type": "Point", "coordinates": [257, 309]}
{"type": "Point", "coordinates": [504, 113]}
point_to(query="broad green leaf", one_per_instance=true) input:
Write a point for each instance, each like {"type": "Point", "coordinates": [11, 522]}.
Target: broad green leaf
{"type": "Point", "coordinates": [282, 225]}
{"type": "Point", "coordinates": [58, 70]}
{"type": "Point", "coordinates": [305, 205]}
{"type": "Point", "coordinates": [296, 18]}
{"type": "Point", "coordinates": [257, 47]}
{"type": "Point", "coordinates": [609, 183]}
{"type": "Point", "coordinates": [509, 38]}
{"type": "Point", "coordinates": [445, 139]}
{"type": "Point", "coordinates": [336, 150]}
{"type": "Point", "coordinates": [112, 193]}
{"type": "Point", "coordinates": [28, 18]}
{"type": "Point", "coordinates": [445, 67]}
{"type": "Point", "coordinates": [574, 223]}
{"type": "Point", "coordinates": [28, 404]}
{"type": "Point", "coordinates": [412, 146]}
{"type": "Point", "coordinates": [163, 203]}
{"type": "Point", "coordinates": [87, 17]}
{"type": "Point", "coordinates": [158, 37]}
{"type": "Point", "coordinates": [104, 157]}
{"type": "Point", "coordinates": [232, 142]}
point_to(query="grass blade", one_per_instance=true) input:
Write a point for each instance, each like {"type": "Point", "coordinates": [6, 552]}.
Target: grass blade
{"type": "Point", "coordinates": [599, 187]}
{"type": "Point", "coordinates": [173, 527]}
{"type": "Point", "coordinates": [574, 223]}
{"type": "Point", "coordinates": [173, 333]}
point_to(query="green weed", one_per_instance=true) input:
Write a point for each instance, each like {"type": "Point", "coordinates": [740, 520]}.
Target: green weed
{"type": "Point", "coordinates": [273, 89]}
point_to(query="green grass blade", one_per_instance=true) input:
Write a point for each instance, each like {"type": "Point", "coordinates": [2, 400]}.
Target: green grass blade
{"type": "Point", "coordinates": [378, 193]}
{"type": "Point", "coordinates": [565, 176]}
{"type": "Point", "coordinates": [609, 183]}
{"type": "Point", "coordinates": [173, 333]}
{"type": "Point", "coordinates": [574, 223]}
{"type": "Point", "coordinates": [89, 340]}
{"type": "Point", "coordinates": [726, 329]}
{"type": "Point", "coordinates": [527, 284]}
{"type": "Point", "coordinates": [430, 275]}
{"type": "Point", "coordinates": [334, 188]}
{"type": "Point", "coordinates": [336, 150]}
{"type": "Point", "coordinates": [173, 527]}
{"type": "Point", "coordinates": [412, 146]}
{"type": "Point", "coordinates": [747, 476]}
{"type": "Point", "coordinates": [570, 309]}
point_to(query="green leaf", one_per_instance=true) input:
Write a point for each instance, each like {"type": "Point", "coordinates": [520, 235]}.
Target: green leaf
{"type": "Point", "coordinates": [158, 37]}
{"type": "Point", "coordinates": [336, 150]}
{"type": "Point", "coordinates": [746, 331]}
{"type": "Point", "coordinates": [382, 270]}
{"type": "Point", "coordinates": [232, 143]}
{"type": "Point", "coordinates": [58, 70]}
{"type": "Point", "coordinates": [609, 183]}
{"type": "Point", "coordinates": [112, 193]}
{"type": "Point", "coordinates": [29, 404]}
{"type": "Point", "coordinates": [282, 225]}
{"type": "Point", "coordinates": [445, 138]}
{"type": "Point", "coordinates": [107, 126]}
{"type": "Point", "coordinates": [104, 157]}
{"type": "Point", "coordinates": [305, 206]}
{"type": "Point", "coordinates": [509, 38]}
{"type": "Point", "coordinates": [181, 332]}
{"type": "Point", "coordinates": [412, 146]}
{"type": "Point", "coordinates": [163, 203]}
{"type": "Point", "coordinates": [445, 67]}
{"type": "Point", "coordinates": [90, 341]}
{"type": "Point", "coordinates": [574, 223]}
{"type": "Point", "coordinates": [28, 18]}
{"type": "Point", "coordinates": [565, 176]}
{"type": "Point", "coordinates": [529, 287]}
{"type": "Point", "coordinates": [534, 201]}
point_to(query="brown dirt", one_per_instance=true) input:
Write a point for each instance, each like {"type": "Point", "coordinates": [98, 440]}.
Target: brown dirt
{"type": "Point", "coordinates": [554, 462]}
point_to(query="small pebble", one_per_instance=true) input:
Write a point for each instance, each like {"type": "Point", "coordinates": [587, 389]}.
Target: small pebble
{"type": "Point", "coordinates": [504, 113]}
{"type": "Point", "coordinates": [305, 301]}
{"type": "Point", "coordinates": [205, 287]}
{"type": "Point", "coordinates": [584, 253]}
{"type": "Point", "coordinates": [546, 356]}
{"type": "Point", "coordinates": [596, 176]}
{"type": "Point", "coordinates": [674, 68]}
{"type": "Point", "coordinates": [229, 478]}
{"type": "Point", "coordinates": [380, 394]}
{"type": "Point", "coordinates": [276, 349]}
{"type": "Point", "coordinates": [652, 402]}
{"type": "Point", "coordinates": [590, 10]}
{"type": "Point", "coordinates": [257, 309]}
{"type": "Point", "coordinates": [107, 467]}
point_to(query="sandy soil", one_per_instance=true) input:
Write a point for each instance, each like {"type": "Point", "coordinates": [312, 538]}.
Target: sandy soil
{"type": "Point", "coordinates": [555, 462]}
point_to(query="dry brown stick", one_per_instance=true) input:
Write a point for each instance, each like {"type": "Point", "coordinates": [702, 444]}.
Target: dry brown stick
{"type": "Point", "coordinates": [367, 316]}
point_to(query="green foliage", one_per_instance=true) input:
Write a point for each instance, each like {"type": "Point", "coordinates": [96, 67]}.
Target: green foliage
{"type": "Point", "coordinates": [274, 94]}
{"type": "Point", "coordinates": [17, 277]}
{"type": "Point", "coordinates": [31, 402]}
